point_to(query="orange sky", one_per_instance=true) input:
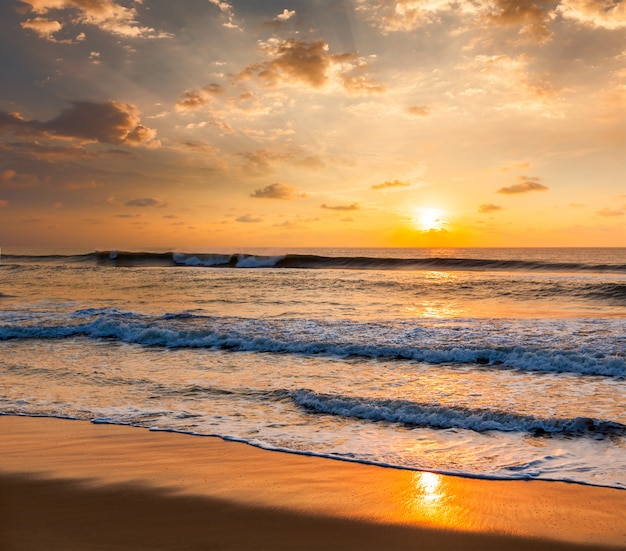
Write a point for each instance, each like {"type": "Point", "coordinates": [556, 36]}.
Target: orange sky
{"type": "Point", "coordinates": [199, 124]}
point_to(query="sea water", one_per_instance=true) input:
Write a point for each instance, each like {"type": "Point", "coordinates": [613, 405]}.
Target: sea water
{"type": "Point", "coordinates": [493, 363]}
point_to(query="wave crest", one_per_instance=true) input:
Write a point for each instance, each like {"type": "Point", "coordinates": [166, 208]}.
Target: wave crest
{"type": "Point", "coordinates": [117, 258]}
{"type": "Point", "coordinates": [439, 417]}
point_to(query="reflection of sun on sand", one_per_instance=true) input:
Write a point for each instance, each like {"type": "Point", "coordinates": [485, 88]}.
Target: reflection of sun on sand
{"type": "Point", "coordinates": [72, 485]}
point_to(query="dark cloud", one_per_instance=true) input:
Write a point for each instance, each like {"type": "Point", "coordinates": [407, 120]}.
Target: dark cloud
{"type": "Point", "coordinates": [109, 122]}
{"type": "Point", "coordinates": [351, 206]}
{"type": "Point", "coordinates": [249, 219]}
{"type": "Point", "coordinates": [489, 207]}
{"type": "Point", "coordinates": [277, 191]}
{"type": "Point", "coordinates": [525, 185]}
{"type": "Point", "coordinates": [394, 184]}
{"type": "Point", "coordinates": [145, 202]}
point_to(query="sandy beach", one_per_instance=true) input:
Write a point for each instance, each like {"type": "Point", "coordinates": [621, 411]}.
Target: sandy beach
{"type": "Point", "coordinates": [74, 485]}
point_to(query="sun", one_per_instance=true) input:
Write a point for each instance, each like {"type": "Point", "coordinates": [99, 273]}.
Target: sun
{"type": "Point", "coordinates": [428, 218]}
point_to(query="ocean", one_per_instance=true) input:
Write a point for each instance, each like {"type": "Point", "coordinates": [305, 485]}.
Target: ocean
{"type": "Point", "coordinates": [489, 363]}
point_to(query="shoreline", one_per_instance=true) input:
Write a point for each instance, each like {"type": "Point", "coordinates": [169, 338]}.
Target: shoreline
{"type": "Point", "coordinates": [67, 484]}
{"type": "Point", "coordinates": [350, 461]}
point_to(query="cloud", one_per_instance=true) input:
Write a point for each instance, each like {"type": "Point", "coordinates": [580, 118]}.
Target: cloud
{"type": "Point", "coordinates": [295, 61]}
{"type": "Point", "coordinates": [512, 80]}
{"type": "Point", "coordinates": [194, 99]}
{"type": "Point", "coordinates": [361, 84]}
{"type": "Point", "coordinates": [309, 63]}
{"type": "Point", "coordinates": [525, 185]}
{"type": "Point", "coordinates": [604, 14]}
{"type": "Point", "coordinates": [10, 178]}
{"type": "Point", "coordinates": [73, 186]}
{"type": "Point", "coordinates": [227, 12]}
{"type": "Point", "coordinates": [611, 212]}
{"type": "Point", "coordinates": [534, 17]}
{"type": "Point", "coordinates": [109, 122]}
{"type": "Point", "coordinates": [249, 219]}
{"type": "Point", "coordinates": [489, 207]}
{"type": "Point", "coordinates": [403, 15]}
{"type": "Point", "coordinates": [145, 202]}
{"type": "Point", "coordinates": [394, 184]}
{"type": "Point", "coordinates": [263, 161]}
{"type": "Point", "coordinates": [312, 162]}
{"type": "Point", "coordinates": [107, 15]}
{"type": "Point", "coordinates": [277, 191]}
{"type": "Point", "coordinates": [351, 206]}
{"type": "Point", "coordinates": [3, 203]}
{"type": "Point", "coordinates": [45, 28]}
{"type": "Point", "coordinates": [36, 150]}
{"type": "Point", "coordinates": [418, 110]}
{"type": "Point", "coordinates": [287, 14]}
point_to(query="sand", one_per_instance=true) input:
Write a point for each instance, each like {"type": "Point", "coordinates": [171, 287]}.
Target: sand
{"type": "Point", "coordinates": [73, 485]}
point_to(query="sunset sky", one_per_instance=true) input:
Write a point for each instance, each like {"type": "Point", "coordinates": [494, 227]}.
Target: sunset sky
{"type": "Point", "coordinates": [198, 124]}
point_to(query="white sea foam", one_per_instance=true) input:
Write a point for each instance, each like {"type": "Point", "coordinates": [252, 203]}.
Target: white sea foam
{"type": "Point", "coordinates": [485, 344]}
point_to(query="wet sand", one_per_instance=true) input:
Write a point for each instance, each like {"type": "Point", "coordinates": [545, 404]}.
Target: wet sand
{"type": "Point", "coordinates": [73, 485]}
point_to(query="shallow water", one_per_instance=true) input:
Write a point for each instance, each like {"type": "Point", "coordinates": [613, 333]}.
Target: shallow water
{"type": "Point", "coordinates": [514, 372]}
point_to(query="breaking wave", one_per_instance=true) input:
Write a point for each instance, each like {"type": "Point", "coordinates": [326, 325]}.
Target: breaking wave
{"type": "Point", "coordinates": [461, 342]}
{"type": "Point", "coordinates": [305, 261]}
{"type": "Point", "coordinates": [444, 417]}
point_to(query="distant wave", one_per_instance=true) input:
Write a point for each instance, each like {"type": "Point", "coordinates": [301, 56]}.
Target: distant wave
{"type": "Point", "coordinates": [477, 344]}
{"type": "Point", "coordinates": [444, 417]}
{"type": "Point", "coordinates": [303, 261]}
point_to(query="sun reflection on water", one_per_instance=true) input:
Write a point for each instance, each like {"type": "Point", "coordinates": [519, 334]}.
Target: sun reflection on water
{"type": "Point", "coordinates": [436, 309]}
{"type": "Point", "coordinates": [428, 501]}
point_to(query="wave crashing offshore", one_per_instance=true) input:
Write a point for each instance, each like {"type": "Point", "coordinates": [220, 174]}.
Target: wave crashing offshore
{"type": "Point", "coordinates": [117, 258]}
